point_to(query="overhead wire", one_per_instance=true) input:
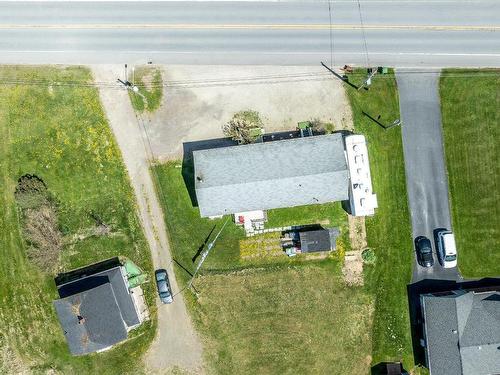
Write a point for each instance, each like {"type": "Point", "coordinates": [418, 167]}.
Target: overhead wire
{"type": "Point", "coordinates": [233, 81]}
{"type": "Point", "coordinates": [332, 46]}
{"type": "Point", "coordinates": [364, 34]}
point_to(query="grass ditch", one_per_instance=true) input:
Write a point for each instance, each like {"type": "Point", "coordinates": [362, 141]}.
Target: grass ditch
{"type": "Point", "coordinates": [470, 113]}
{"type": "Point", "coordinates": [63, 139]}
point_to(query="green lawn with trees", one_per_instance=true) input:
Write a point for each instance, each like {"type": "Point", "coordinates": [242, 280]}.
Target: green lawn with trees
{"type": "Point", "coordinates": [52, 126]}
{"type": "Point", "coordinates": [470, 102]}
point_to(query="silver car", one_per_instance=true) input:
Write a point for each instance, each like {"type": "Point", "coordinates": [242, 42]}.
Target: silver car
{"type": "Point", "coordinates": [164, 290]}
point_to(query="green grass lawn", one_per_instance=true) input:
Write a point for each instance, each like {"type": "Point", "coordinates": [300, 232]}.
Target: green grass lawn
{"type": "Point", "coordinates": [277, 315]}
{"type": "Point", "coordinates": [389, 231]}
{"type": "Point", "coordinates": [252, 318]}
{"type": "Point", "coordinates": [59, 132]}
{"type": "Point", "coordinates": [149, 82]}
{"type": "Point", "coordinates": [284, 321]}
{"type": "Point", "coordinates": [188, 231]}
{"type": "Point", "coordinates": [470, 103]}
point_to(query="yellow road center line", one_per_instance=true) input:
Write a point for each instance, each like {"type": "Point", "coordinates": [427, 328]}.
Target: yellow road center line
{"type": "Point", "coordinates": [252, 27]}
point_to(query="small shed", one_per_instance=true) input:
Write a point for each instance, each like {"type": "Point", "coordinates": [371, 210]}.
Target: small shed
{"type": "Point", "coordinates": [318, 240]}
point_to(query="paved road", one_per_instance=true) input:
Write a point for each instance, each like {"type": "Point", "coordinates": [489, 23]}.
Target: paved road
{"type": "Point", "coordinates": [426, 176]}
{"type": "Point", "coordinates": [398, 33]}
{"type": "Point", "coordinates": [176, 342]}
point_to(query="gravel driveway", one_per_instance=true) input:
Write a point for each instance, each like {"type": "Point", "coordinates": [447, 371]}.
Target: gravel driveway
{"type": "Point", "coordinates": [198, 100]}
{"type": "Point", "coordinates": [176, 342]}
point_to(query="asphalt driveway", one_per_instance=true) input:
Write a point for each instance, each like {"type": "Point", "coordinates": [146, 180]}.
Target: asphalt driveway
{"type": "Point", "coordinates": [426, 177]}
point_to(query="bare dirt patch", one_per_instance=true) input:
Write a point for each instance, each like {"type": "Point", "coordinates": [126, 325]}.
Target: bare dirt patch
{"type": "Point", "coordinates": [353, 262]}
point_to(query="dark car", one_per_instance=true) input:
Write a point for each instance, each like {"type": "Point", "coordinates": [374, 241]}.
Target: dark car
{"type": "Point", "coordinates": [163, 285]}
{"type": "Point", "coordinates": [424, 251]}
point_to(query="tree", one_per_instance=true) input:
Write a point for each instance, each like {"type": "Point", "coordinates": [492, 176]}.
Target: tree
{"type": "Point", "coordinates": [243, 127]}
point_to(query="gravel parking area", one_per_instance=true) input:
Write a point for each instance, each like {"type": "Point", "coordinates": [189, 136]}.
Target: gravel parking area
{"type": "Point", "coordinates": [198, 100]}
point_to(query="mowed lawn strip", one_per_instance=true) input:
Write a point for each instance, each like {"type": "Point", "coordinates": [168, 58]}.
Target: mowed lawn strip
{"type": "Point", "coordinates": [389, 230]}
{"type": "Point", "coordinates": [297, 320]}
{"type": "Point", "coordinates": [55, 128]}
{"type": "Point", "coordinates": [470, 104]}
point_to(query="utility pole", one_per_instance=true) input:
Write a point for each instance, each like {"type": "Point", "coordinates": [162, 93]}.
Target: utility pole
{"type": "Point", "coordinates": [368, 81]}
{"type": "Point", "coordinates": [205, 254]}
{"type": "Point", "coordinates": [345, 79]}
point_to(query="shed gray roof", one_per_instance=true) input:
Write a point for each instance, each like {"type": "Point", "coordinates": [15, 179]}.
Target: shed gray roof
{"type": "Point", "coordinates": [318, 240]}
{"type": "Point", "coordinates": [91, 320]}
{"type": "Point", "coordinates": [268, 175]}
{"type": "Point", "coordinates": [463, 333]}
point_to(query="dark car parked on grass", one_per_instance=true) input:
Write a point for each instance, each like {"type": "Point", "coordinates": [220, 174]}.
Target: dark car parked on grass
{"type": "Point", "coordinates": [164, 290]}
{"type": "Point", "coordinates": [424, 251]}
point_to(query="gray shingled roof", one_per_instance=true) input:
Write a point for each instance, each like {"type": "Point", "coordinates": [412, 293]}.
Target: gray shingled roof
{"type": "Point", "coordinates": [463, 333]}
{"type": "Point", "coordinates": [103, 301]}
{"type": "Point", "coordinates": [318, 240]}
{"type": "Point", "coordinates": [120, 289]}
{"type": "Point", "coordinates": [91, 320]}
{"type": "Point", "coordinates": [268, 175]}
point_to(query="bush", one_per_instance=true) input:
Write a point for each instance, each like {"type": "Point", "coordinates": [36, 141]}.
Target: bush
{"type": "Point", "coordinates": [368, 256]}
{"type": "Point", "coordinates": [39, 221]}
{"type": "Point", "coordinates": [240, 127]}
{"type": "Point", "coordinates": [31, 192]}
{"type": "Point", "coordinates": [321, 127]}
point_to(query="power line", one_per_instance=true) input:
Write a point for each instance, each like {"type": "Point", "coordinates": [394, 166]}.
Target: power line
{"type": "Point", "coordinates": [255, 80]}
{"type": "Point", "coordinates": [332, 46]}
{"type": "Point", "coordinates": [364, 34]}
{"type": "Point", "coordinates": [206, 252]}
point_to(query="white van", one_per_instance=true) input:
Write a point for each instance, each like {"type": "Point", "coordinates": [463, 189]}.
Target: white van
{"type": "Point", "coordinates": [446, 249]}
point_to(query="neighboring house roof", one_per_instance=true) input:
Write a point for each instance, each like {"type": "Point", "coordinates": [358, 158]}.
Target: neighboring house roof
{"type": "Point", "coordinates": [96, 311]}
{"type": "Point", "coordinates": [268, 175]}
{"type": "Point", "coordinates": [91, 320]}
{"type": "Point", "coordinates": [318, 240]}
{"type": "Point", "coordinates": [462, 333]}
